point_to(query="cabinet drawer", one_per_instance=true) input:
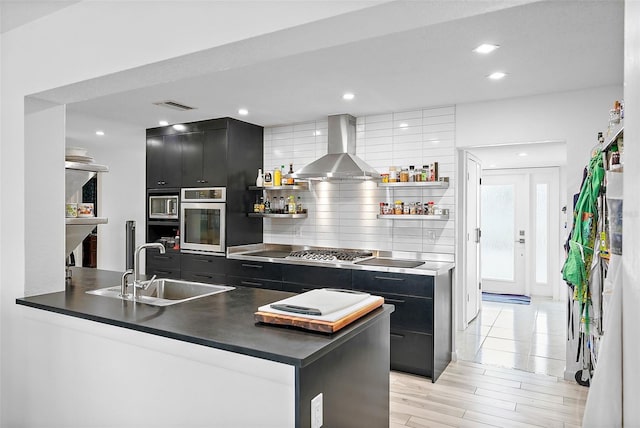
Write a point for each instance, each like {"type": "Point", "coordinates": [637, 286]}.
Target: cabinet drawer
{"type": "Point", "coordinates": [254, 283]}
{"type": "Point", "coordinates": [204, 263]}
{"type": "Point", "coordinates": [168, 260]}
{"type": "Point", "coordinates": [396, 283]}
{"type": "Point", "coordinates": [317, 276]}
{"type": "Point", "coordinates": [411, 313]}
{"type": "Point", "coordinates": [208, 278]}
{"type": "Point", "coordinates": [412, 352]}
{"type": "Point", "coordinates": [161, 272]}
{"type": "Point", "coordinates": [294, 287]}
{"type": "Point", "coordinates": [246, 269]}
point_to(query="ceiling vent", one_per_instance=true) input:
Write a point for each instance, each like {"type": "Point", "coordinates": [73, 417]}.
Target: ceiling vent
{"type": "Point", "coordinates": [174, 105]}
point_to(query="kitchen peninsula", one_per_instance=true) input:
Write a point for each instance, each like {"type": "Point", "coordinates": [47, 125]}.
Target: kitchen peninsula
{"type": "Point", "coordinates": [200, 363]}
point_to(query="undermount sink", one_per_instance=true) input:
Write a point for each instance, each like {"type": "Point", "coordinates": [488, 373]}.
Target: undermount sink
{"type": "Point", "coordinates": [164, 292]}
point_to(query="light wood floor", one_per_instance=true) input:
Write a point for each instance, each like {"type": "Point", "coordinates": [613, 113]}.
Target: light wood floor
{"type": "Point", "coordinates": [470, 394]}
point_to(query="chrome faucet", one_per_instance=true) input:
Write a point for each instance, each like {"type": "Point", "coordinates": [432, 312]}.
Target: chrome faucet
{"type": "Point", "coordinates": [137, 283]}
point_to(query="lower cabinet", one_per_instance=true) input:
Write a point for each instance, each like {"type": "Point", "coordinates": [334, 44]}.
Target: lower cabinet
{"type": "Point", "coordinates": [254, 282]}
{"type": "Point", "coordinates": [300, 279]}
{"type": "Point", "coordinates": [421, 323]}
{"type": "Point", "coordinates": [165, 265]}
{"type": "Point", "coordinates": [412, 352]}
{"type": "Point", "coordinates": [205, 268]}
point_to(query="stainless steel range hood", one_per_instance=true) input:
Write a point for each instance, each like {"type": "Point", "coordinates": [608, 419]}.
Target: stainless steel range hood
{"type": "Point", "coordinates": [341, 162]}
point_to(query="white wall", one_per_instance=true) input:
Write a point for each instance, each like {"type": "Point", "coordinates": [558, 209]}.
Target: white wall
{"type": "Point", "coordinates": [121, 191]}
{"type": "Point", "coordinates": [168, 383]}
{"type": "Point", "coordinates": [343, 214]}
{"type": "Point", "coordinates": [631, 219]}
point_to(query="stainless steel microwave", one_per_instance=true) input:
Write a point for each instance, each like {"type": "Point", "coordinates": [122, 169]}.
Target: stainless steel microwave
{"type": "Point", "coordinates": [163, 207]}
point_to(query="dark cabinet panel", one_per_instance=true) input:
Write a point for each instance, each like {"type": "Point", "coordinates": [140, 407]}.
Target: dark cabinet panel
{"type": "Point", "coordinates": [254, 282]}
{"type": "Point", "coordinates": [412, 313]}
{"type": "Point", "coordinates": [396, 283]}
{"type": "Point", "coordinates": [214, 159]}
{"type": "Point", "coordinates": [170, 259]}
{"type": "Point", "coordinates": [209, 278]}
{"type": "Point", "coordinates": [162, 152]}
{"type": "Point", "coordinates": [204, 263]}
{"type": "Point", "coordinates": [412, 352]}
{"type": "Point", "coordinates": [317, 277]}
{"type": "Point", "coordinates": [192, 159]}
{"type": "Point", "coordinates": [258, 270]}
{"type": "Point", "coordinates": [162, 272]}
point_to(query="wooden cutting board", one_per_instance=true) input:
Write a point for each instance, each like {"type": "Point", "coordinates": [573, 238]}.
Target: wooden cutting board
{"type": "Point", "coordinates": [317, 325]}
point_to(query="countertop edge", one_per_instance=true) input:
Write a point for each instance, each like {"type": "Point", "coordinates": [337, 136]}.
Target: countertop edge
{"type": "Point", "coordinates": [385, 310]}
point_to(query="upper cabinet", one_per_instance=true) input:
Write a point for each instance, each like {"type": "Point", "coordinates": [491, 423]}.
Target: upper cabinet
{"type": "Point", "coordinates": [162, 170]}
{"type": "Point", "coordinates": [204, 158]}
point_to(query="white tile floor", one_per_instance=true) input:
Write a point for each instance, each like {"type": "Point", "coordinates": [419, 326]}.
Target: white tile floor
{"type": "Point", "coordinates": [525, 337]}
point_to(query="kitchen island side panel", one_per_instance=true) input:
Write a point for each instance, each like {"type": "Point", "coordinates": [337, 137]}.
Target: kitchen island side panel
{"type": "Point", "coordinates": [443, 324]}
{"type": "Point", "coordinates": [353, 380]}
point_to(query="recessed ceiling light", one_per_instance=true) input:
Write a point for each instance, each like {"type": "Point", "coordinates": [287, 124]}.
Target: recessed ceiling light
{"type": "Point", "coordinates": [522, 154]}
{"type": "Point", "coordinates": [486, 48]}
{"type": "Point", "coordinates": [243, 112]}
{"type": "Point", "coordinates": [101, 133]}
{"type": "Point", "coordinates": [497, 75]}
{"type": "Point", "coordinates": [317, 132]}
{"type": "Point", "coordinates": [348, 96]}
{"type": "Point", "coordinates": [493, 165]}
{"type": "Point", "coordinates": [179, 127]}
{"type": "Point", "coordinates": [404, 125]}
{"type": "Point", "coordinates": [163, 123]}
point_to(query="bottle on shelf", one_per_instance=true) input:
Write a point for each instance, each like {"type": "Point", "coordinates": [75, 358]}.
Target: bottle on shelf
{"type": "Point", "coordinates": [290, 179]}
{"type": "Point", "coordinates": [259, 178]}
{"type": "Point", "coordinates": [281, 205]}
{"type": "Point", "coordinates": [277, 177]}
{"type": "Point", "coordinates": [412, 173]}
{"type": "Point", "coordinates": [283, 177]}
{"type": "Point", "coordinates": [299, 206]}
{"type": "Point", "coordinates": [292, 205]}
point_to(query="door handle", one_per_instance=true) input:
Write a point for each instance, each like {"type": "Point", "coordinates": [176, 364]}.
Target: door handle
{"type": "Point", "coordinates": [521, 240]}
{"type": "Point", "coordinates": [478, 234]}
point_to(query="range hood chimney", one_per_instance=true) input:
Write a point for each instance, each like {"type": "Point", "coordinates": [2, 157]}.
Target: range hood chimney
{"type": "Point", "coordinates": [340, 163]}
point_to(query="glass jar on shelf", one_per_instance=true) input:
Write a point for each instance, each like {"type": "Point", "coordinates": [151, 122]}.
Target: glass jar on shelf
{"type": "Point", "coordinates": [399, 207]}
{"type": "Point", "coordinates": [404, 175]}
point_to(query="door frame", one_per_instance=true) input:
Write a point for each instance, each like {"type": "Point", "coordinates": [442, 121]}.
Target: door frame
{"type": "Point", "coordinates": [553, 224]}
{"type": "Point", "coordinates": [461, 233]}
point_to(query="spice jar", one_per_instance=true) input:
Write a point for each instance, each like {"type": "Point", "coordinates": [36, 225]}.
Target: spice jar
{"type": "Point", "coordinates": [385, 178]}
{"type": "Point", "coordinates": [398, 208]}
{"type": "Point", "coordinates": [412, 174]}
{"type": "Point", "coordinates": [425, 173]}
{"type": "Point", "coordinates": [406, 209]}
{"type": "Point", "coordinates": [412, 209]}
{"type": "Point", "coordinates": [419, 208]}
{"type": "Point", "coordinates": [404, 175]}
{"type": "Point", "coordinates": [381, 207]}
{"type": "Point", "coordinates": [393, 174]}
{"type": "Point", "coordinates": [430, 208]}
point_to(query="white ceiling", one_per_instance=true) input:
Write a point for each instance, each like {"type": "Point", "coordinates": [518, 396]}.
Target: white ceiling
{"type": "Point", "coordinates": [15, 13]}
{"type": "Point", "coordinates": [546, 47]}
{"type": "Point", "coordinates": [531, 155]}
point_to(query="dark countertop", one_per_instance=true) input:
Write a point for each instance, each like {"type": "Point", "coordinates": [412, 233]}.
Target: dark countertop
{"type": "Point", "coordinates": [223, 321]}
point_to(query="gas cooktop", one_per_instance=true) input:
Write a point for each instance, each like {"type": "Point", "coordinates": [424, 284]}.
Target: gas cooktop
{"type": "Point", "coordinates": [346, 256]}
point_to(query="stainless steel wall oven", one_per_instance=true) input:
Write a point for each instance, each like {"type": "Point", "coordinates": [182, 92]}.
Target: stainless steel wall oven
{"type": "Point", "coordinates": [202, 219]}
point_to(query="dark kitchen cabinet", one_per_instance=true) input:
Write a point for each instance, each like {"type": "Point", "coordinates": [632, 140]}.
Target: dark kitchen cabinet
{"type": "Point", "coordinates": [162, 170]}
{"type": "Point", "coordinates": [254, 274]}
{"type": "Point", "coordinates": [207, 268]}
{"type": "Point", "coordinates": [299, 278]}
{"type": "Point", "coordinates": [222, 152]}
{"type": "Point", "coordinates": [204, 162]}
{"type": "Point", "coordinates": [421, 324]}
{"type": "Point", "coordinates": [165, 265]}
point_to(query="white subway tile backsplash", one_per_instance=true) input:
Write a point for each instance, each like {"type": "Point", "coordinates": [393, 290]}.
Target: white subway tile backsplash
{"type": "Point", "coordinates": [344, 214]}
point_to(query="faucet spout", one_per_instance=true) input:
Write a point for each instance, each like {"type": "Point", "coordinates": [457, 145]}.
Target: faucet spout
{"type": "Point", "coordinates": [136, 265]}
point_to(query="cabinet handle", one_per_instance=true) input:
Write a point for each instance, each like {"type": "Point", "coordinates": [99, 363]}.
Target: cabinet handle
{"type": "Point", "coordinates": [164, 272]}
{"type": "Point", "coordinates": [162, 257]}
{"type": "Point", "coordinates": [389, 278]}
{"type": "Point", "coordinates": [251, 283]}
{"type": "Point", "coordinates": [203, 181]}
{"type": "Point", "coordinates": [400, 302]}
{"type": "Point", "coordinates": [252, 266]}
{"type": "Point", "coordinates": [203, 260]}
{"type": "Point", "coordinates": [399, 336]}
{"type": "Point", "coordinates": [197, 275]}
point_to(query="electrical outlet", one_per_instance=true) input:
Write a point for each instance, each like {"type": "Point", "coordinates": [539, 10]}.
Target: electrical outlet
{"type": "Point", "coordinates": [431, 236]}
{"type": "Point", "coordinates": [316, 411]}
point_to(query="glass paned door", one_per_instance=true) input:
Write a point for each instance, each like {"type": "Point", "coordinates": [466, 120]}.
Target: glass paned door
{"type": "Point", "coordinates": [504, 233]}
